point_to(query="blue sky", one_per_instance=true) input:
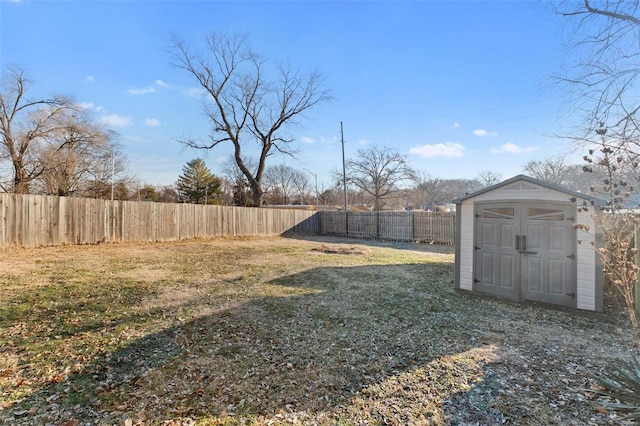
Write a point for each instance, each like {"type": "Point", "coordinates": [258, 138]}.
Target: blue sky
{"type": "Point", "coordinates": [458, 87]}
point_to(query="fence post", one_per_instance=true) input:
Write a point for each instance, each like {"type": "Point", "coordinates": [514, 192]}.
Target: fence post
{"type": "Point", "coordinates": [346, 222]}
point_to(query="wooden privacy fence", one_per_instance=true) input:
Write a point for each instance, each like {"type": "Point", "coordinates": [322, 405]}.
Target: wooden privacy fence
{"type": "Point", "coordinates": [40, 220]}
{"type": "Point", "coordinates": [428, 227]}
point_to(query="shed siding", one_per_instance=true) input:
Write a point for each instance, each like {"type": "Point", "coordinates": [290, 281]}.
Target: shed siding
{"type": "Point", "coordinates": [467, 217]}
{"type": "Point", "coordinates": [586, 264]}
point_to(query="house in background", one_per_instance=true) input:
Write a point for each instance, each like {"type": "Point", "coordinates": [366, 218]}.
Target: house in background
{"type": "Point", "coordinates": [517, 239]}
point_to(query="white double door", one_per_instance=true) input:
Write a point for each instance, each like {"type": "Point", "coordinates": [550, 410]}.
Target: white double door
{"type": "Point", "coordinates": [526, 250]}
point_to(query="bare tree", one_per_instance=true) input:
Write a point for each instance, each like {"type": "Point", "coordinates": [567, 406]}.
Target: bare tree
{"type": "Point", "coordinates": [488, 178]}
{"type": "Point", "coordinates": [604, 71]}
{"type": "Point", "coordinates": [431, 192]}
{"type": "Point", "coordinates": [168, 194]}
{"type": "Point", "coordinates": [109, 175]}
{"type": "Point", "coordinates": [235, 183]}
{"type": "Point", "coordinates": [379, 172]}
{"type": "Point", "coordinates": [332, 195]}
{"type": "Point", "coordinates": [73, 152]}
{"type": "Point", "coordinates": [555, 170]}
{"type": "Point", "coordinates": [243, 104]}
{"type": "Point", "coordinates": [424, 191]}
{"type": "Point", "coordinates": [24, 125]}
{"type": "Point", "coordinates": [284, 183]}
{"type": "Point", "coordinates": [302, 185]}
{"type": "Point", "coordinates": [604, 83]}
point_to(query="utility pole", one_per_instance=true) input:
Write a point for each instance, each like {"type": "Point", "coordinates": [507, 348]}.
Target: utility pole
{"type": "Point", "coordinates": [344, 169]}
{"type": "Point", "coordinates": [316, 187]}
{"type": "Point", "coordinates": [113, 173]}
{"type": "Point", "coordinates": [113, 205]}
{"type": "Point", "coordinates": [344, 184]}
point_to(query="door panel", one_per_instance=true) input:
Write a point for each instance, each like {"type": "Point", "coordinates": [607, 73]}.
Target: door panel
{"type": "Point", "coordinates": [556, 276]}
{"type": "Point", "coordinates": [534, 271]}
{"type": "Point", "coordinates": [496, 263]}
{"type": "Point", "coordinates": [507, 268]}
{"type": "Point", "coordinates": [548, 254]}
{"type": "Point", "coordinates": [557, 239]}
{"type": "Point", "coordinates": [507, 235]}
{"type": "Point", "coordinates": [487, 271]}
{"type": "Point", "coordinates": [542, 267]}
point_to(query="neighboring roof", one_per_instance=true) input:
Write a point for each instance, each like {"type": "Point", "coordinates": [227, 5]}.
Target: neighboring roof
{"type": "Point", "coordinates": [596, 200]}
{"type": "Point", "coordinates": [633, 202]}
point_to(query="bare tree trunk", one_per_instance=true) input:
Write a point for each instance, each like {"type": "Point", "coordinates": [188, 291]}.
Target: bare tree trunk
{"type": "Point", "coordinates": [20, 182]}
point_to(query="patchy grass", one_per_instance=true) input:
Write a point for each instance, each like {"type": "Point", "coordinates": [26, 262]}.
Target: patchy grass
{"type": "Point", "coordinates": [284, 331]}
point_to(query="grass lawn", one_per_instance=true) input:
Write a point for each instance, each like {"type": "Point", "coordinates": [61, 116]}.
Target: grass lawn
{"type": "Point", "coordinates": [285, 331]}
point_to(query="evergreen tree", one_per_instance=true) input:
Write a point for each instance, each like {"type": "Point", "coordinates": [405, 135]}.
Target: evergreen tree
{"type": "Point", "coordinates": [197, 184]}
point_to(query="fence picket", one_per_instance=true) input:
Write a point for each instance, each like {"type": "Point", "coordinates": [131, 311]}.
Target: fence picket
{"type": "Point", "coordinates": [40, 220]}
{"type": "Point", "coordinates": [426, 227]}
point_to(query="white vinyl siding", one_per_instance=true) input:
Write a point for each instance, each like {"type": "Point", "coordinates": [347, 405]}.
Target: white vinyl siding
{"type": "Point", "coordinates": [586, 264]}
{"type": "Point", "coordinates": [467, 216]}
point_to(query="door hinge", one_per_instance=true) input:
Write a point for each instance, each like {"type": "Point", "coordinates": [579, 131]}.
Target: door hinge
{"type": "Point", "coordinates": [475, 280]}
{"type": "Point", "coordinates": [477, 248]}
{"type": "Point", "coordinates": [572, 256]}
{"type": "Point", "coordinates": [572, 294]}
{"type": "Point", "coordinates": [477, 215]}
{"type": "Point", "coordinates": [571, 218]}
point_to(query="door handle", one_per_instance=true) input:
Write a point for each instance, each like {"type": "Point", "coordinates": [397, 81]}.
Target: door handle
{"type": "Point", "coordinates": [521, 245]}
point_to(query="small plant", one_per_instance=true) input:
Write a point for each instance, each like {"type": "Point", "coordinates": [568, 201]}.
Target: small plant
{"type": "Point", "coordinates": [618, 225]}
{"type": "Point", "coordinates": [622, 385]}
{"type": "Point", "coordinates": [619, 252]}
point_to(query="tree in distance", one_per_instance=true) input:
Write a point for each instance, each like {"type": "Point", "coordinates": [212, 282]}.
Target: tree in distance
{"type": "Point", "coordinates": [54, 146]}
{"type": "Point", "coordinates": [244, 105]}
{"type": "Point", "coordinates": [24, 125]}
{"type": "Point", "coordinates": [284, 183]}
{"type": "Point", "coordinates": [379, 172]}
{"type": "Point", "coordinates": [79, 156]}
{"type": "Point", "coordinates": [197, 184]}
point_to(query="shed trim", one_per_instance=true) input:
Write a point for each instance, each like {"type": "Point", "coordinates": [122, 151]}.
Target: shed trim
{"type": "Point", "coordinates": [597, 201]}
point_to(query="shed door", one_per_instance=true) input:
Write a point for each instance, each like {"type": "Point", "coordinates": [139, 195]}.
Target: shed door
{"type": "Point", "coordinates": [526, 251]}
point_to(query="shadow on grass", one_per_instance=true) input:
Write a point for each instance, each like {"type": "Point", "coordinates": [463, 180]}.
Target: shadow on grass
{"type": "Point", "coordinates": [332, 343]}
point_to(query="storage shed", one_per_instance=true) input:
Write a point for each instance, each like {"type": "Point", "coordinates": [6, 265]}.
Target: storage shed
{"type": "Point", "coordinates": [516, 239]}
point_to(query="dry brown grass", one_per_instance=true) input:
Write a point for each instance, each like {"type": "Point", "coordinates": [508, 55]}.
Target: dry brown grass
{"type": "Point", "coordinates": [284, 331]}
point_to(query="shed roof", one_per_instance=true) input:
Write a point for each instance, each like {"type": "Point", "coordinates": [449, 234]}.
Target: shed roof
{"type": "Point", "coordinates": [597, 201]}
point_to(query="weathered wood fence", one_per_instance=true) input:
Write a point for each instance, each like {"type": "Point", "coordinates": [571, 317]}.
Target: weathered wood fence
{"type": "Point", "coordinates": [41, 220]}
{"type": "Point", "coordinates": [427, 227]}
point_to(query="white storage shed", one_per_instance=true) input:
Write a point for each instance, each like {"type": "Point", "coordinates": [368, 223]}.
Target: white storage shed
{"type": "Point", "coordinates": [516, 239]}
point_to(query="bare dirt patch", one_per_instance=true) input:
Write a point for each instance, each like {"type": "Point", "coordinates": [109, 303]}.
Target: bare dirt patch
{"type": "Point", "coordinates": [335, 249]}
